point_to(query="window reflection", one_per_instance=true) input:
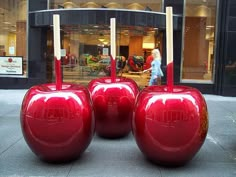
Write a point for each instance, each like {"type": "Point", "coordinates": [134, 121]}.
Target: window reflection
{"type": "Point", "coordinates": [199, 41]}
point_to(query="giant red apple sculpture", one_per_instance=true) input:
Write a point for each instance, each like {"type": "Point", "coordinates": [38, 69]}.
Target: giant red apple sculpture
{"type": "Point", "coordinates": [170, 123]}
{"type": "Point", "coordinates": [113, 103]}
{"type": "Point", "coordinates": [57, 119]}
{"type": "Point", "coordinates": [170, 126]}
{"type": "Point", "coordinates": [58, 125]}
{"type": "Point", "coordinates": [113, 100]}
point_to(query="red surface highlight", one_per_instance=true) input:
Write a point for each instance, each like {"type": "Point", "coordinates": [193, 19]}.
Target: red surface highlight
{"type": "Point", "coordinates": [58, 73]}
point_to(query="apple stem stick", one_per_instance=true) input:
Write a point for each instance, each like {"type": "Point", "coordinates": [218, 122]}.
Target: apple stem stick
{"type": "Point", "coordinates": [57, 50]}
{"type": "Point", "coordinates": [169, 48]}
{"type": "Point", "coordinates": [113, 69]}
{"type": "Point", "coordinates": [113, 48]}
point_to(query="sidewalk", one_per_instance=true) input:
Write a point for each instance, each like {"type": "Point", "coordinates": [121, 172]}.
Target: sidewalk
{"type": "Point", "coordinates": [119, 158]}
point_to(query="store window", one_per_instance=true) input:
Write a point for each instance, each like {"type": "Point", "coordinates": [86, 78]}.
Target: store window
{"type": "Point", "coordinates": [153, 5]}
{"type": "Point", "coordinates": [86, 51]}
{"type": "Point", "coordinates": [86, 48]}
{"type": "Point", "coordinates": [198, 58]}
{"type": "Point", "coordinates": [13, 57]}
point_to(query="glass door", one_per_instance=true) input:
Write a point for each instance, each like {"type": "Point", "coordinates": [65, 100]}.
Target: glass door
{"type": "Point", "coordinates": [198, 60]}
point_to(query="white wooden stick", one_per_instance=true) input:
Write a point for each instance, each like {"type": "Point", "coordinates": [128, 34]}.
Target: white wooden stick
{"type": "Point", "coordinates": [169, 35]}
{"type": "Point", "coordinates": [56, 36]}
{"type": "Point", "coordinates": [113, 37]}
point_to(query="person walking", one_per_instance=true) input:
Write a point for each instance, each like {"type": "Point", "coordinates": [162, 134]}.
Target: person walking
{"type": "Point", "coordinates": [156, 72]}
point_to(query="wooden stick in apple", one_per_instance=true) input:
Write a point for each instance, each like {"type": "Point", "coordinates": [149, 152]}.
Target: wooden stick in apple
{"type": "Point", "coordinates": [57, 50]}
{"type": "Point", "coordinates": [169, 48]}
{"type": "Point", "coordinates": [113, 48]}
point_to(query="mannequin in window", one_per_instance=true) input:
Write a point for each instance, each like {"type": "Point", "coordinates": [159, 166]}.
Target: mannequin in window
{"type": "Point", "coordinates": [156, 72]}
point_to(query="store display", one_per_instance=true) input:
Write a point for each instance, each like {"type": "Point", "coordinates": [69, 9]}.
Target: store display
{"type": "Point", "coordinates": [148, 62]}
{"type": "Point", "coordinates": [95, 66]}
{"type": "Point", "coordinates": [69, 61]}
{"type": "Point", "coordinates": [135, 63]}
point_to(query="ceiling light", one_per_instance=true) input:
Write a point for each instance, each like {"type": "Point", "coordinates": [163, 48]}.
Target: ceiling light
{"type": "Point", "coordinates": [210, 26]}
{"type": "Point", "coordinates": [101, 39]}
{"type": "Point", "coordinates": [7, 23]}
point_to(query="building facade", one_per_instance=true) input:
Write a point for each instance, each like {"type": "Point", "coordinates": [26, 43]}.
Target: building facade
{"type": "Point", "coordinates": [204, 37]}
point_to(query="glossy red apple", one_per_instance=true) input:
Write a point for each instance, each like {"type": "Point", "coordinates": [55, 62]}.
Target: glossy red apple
{"type": "Point", "coordinates": [170, 126]}
{"type": "Point", "coordinates": [113, 102]}
{"type": "Point", "coordinates": [58, 125]}
{"type": "Point", "coordinates": [170, 123]}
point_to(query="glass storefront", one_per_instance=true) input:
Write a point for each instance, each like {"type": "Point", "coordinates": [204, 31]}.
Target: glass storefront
{"type": "Point", "coordinates": [86, 51]}
{"type": "Point", "coordinates": [198, 60]}
{"type": "Point", "coordinates": [86, 40]}
{"type": "Point", "coordinates": [13, 38]}
{"type": "Point", "coordinates": [88, 44]}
